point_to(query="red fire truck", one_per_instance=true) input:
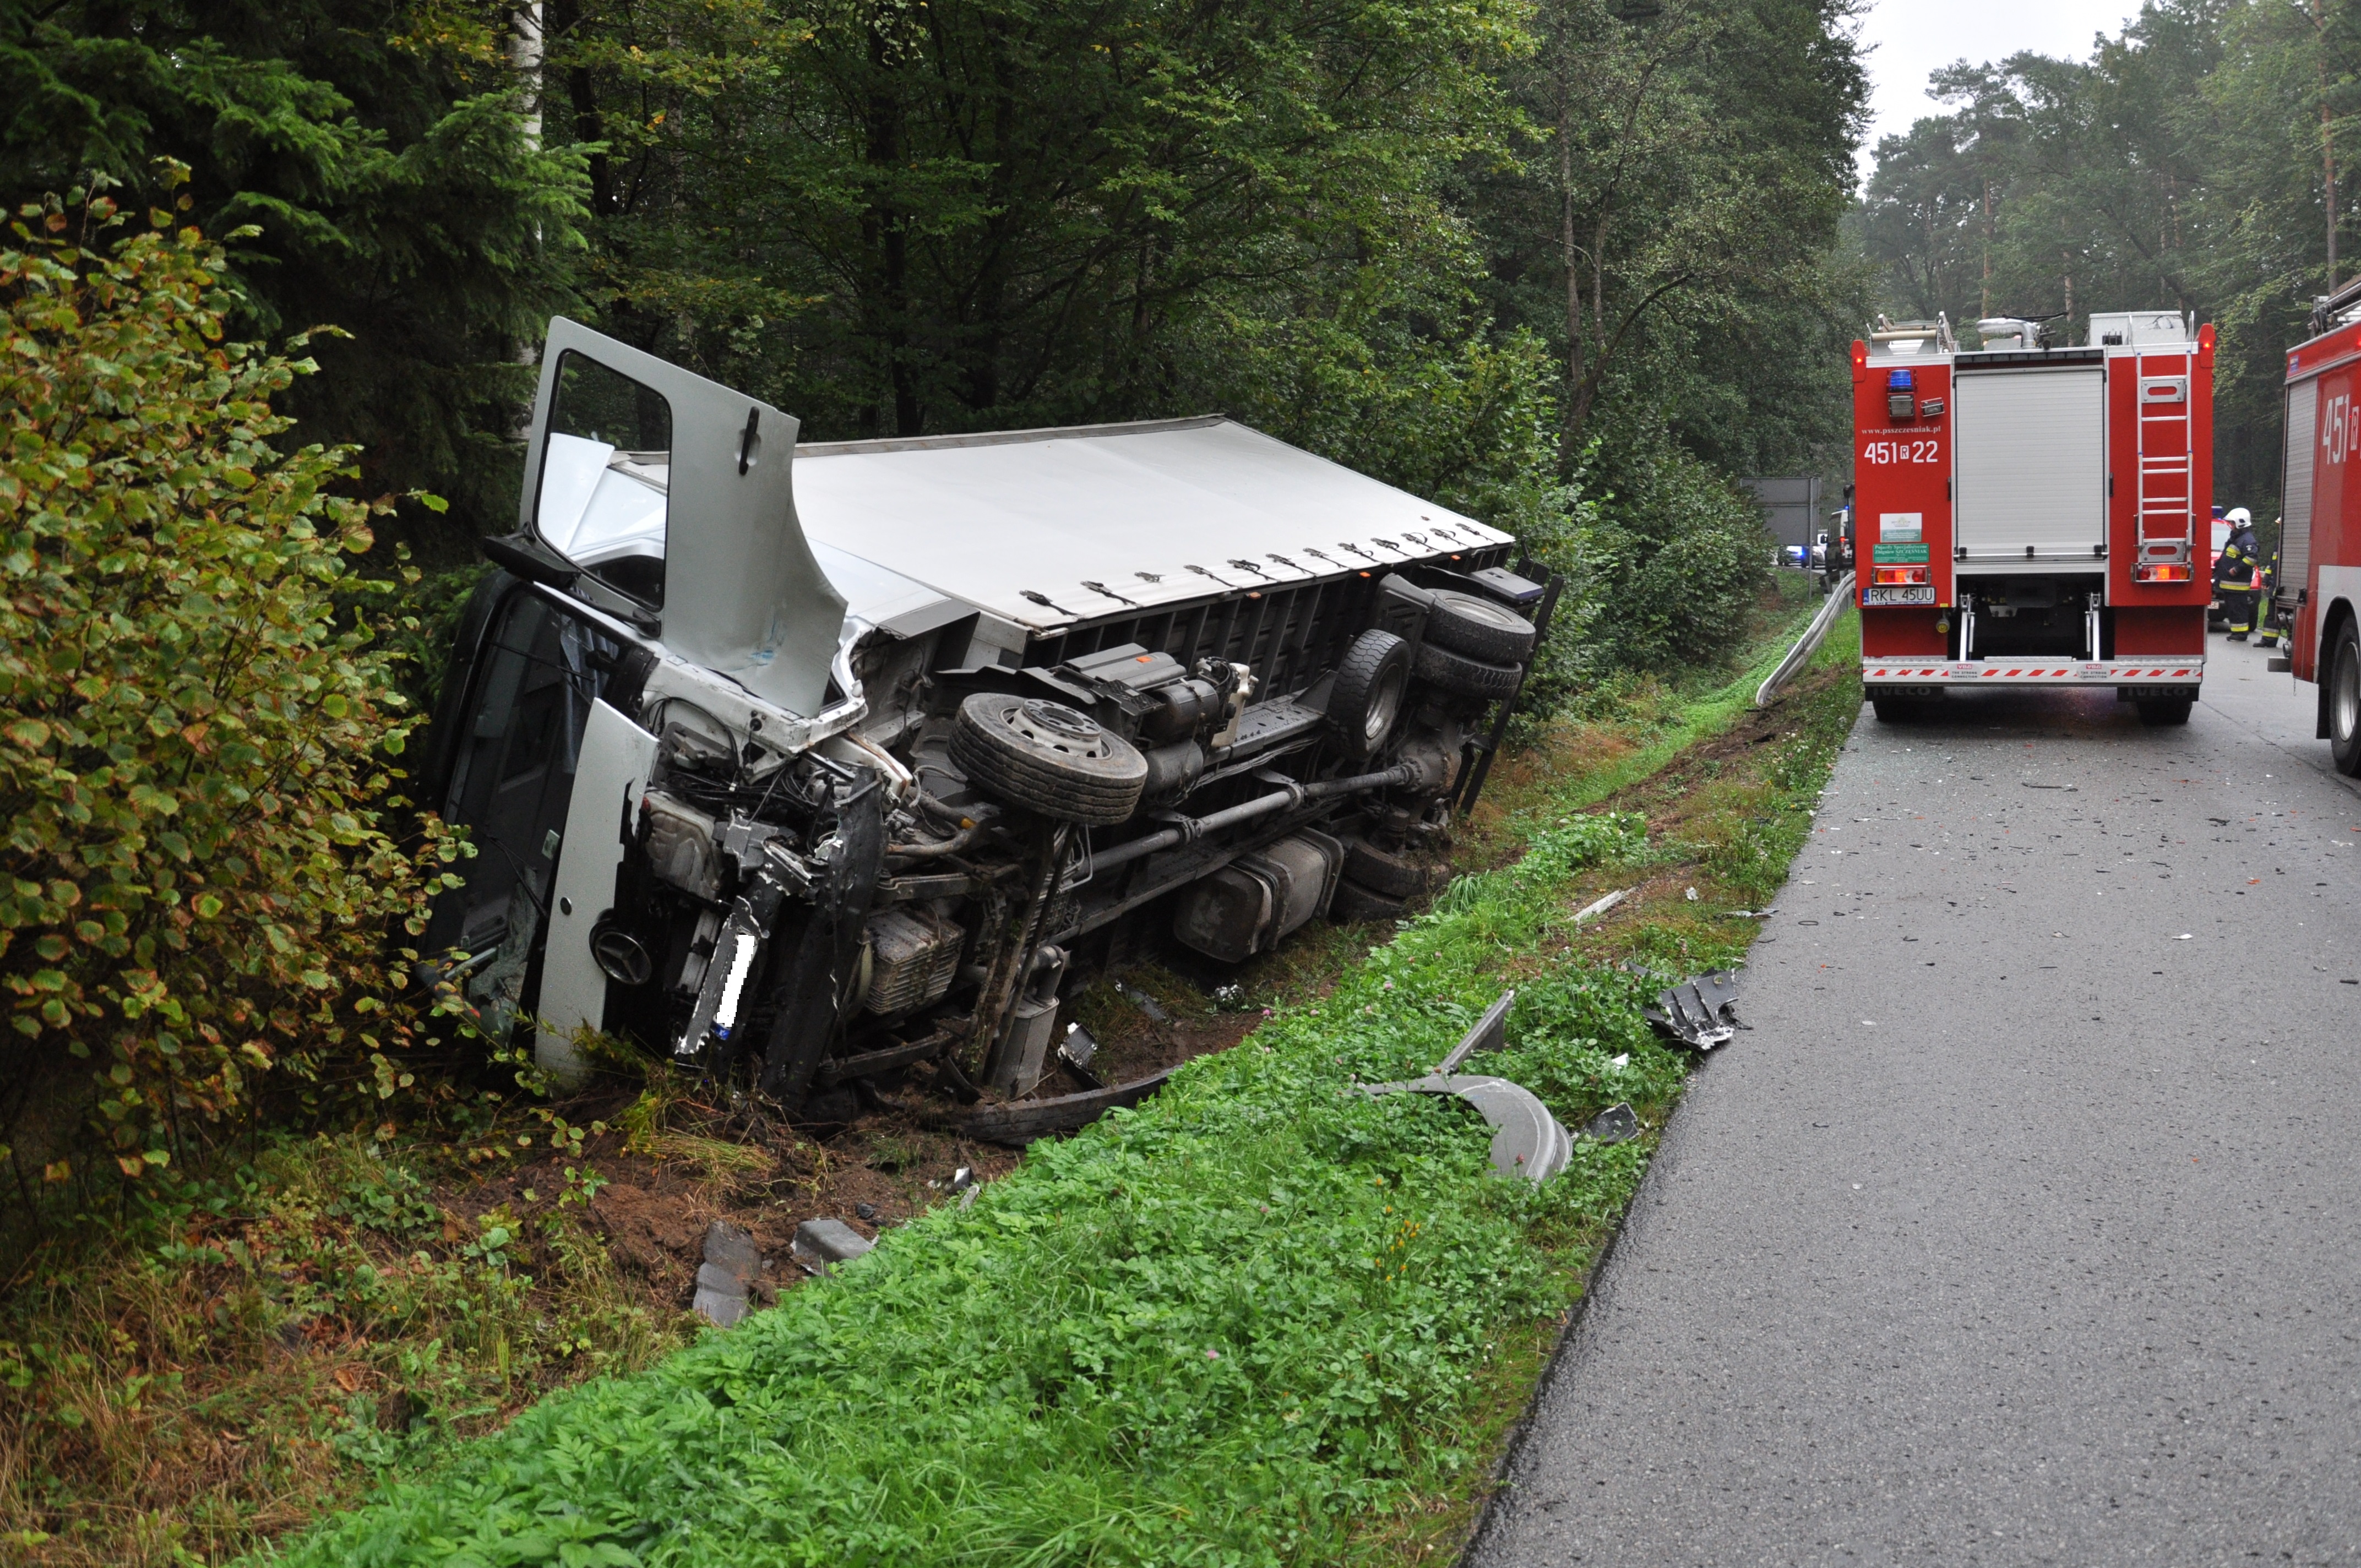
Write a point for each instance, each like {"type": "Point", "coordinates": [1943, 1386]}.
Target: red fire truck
{"type": "Point", "coordinates": [2320, 539]}
{"type": "Point", "coordinates": [2031, 515]}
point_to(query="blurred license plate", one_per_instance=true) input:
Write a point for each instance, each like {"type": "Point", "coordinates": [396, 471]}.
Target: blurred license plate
{"type": "Point", "coordinates": [1922, 594]}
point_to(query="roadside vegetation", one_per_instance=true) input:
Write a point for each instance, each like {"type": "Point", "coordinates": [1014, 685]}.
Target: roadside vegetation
{"type": "Point", "coordinates": [1027, 1376]}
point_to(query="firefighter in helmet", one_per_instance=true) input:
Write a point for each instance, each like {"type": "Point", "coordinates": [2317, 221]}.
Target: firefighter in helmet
{"type": "Point", "coordinates": [2237, 574]}
{"type": "Point", "coordinates": [2266, 609]}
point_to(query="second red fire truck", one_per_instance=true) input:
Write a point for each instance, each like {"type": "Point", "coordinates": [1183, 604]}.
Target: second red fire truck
{"type": "Point", "coordinates": [2031, 515]}
{"type": "Point", "coordinates": [2319, 540]}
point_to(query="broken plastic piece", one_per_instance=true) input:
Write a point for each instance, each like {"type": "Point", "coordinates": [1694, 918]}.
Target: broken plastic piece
{"type": "Point", "coordinates": [1593, 911]}
{"type": "Point", "coordinates": [730, 1266]}
{"type": "Point", "coordinates": [1699, 1012]}
{"type": "Point", "coordinates": [1527, 1142]}
{"type": "Point", "coordinates": [1616, 1124]}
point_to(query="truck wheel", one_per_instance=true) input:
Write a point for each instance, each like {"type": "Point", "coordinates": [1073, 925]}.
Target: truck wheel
{"type": "Point", "coordinates": [2344, 700]}
{"type": "Point", "coordinates": [1469, 676]}
{"type": "Point", "coordinates": [2164, 710]}
{"type": "Point", "coordinates": [1396, 876]}
{"type": "Point", "coordinates": [1366, 700]}
{"type": "Point", "coordinates": [1896, 709]}
{"type": "Point", "coordinates": [1354, 904]}
{"type": "Point", "coordinates": [1478, 628]}
{"type": "Point", "coordinates": [1047, 757]}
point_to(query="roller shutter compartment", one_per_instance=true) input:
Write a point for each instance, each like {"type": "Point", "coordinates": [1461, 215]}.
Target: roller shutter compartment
{"type": "Point", "coordinates": [2031, 465]}
{"type": "Point", "coordinates": [2295, 484]}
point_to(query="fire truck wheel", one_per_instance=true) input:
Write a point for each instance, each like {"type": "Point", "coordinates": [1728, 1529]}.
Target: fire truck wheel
{"type": "Point", "coordinates": [1354, 904]}
{"type": "Point", "coordinates": [1479, 628]}
{"type": "Point", "coordinates": [1469, 676]}
{"type": "Point", "coordinates": [1896, 710]}
{"type": "Point", "coordinates": [2344, 700]}
{"type": "Point", "coordinates": [1047, 757]}
{"type": "Point", "coordinates": [2162, 710]}
{"type": "Point", "coordinates": [1366, 700]}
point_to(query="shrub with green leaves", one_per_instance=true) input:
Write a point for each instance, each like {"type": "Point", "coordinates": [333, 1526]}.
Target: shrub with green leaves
{"type": "Point", "coordinates": [199, 885]}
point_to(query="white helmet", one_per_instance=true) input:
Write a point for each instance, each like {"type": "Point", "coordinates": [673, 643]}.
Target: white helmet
{"type": "Point", "coordinates": [2240, 518]}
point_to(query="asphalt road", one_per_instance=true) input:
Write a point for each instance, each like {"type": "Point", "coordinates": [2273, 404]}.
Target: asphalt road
{"type": "Point", "coordinates": [2024, 1224]}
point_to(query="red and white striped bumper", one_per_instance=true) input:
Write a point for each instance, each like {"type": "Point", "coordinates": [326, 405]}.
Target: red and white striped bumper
{"type": "Point", "coordinates": [2183, 672]}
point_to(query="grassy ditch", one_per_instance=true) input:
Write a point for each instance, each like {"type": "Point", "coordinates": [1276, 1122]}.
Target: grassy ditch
{"type": "Point", "coordinates": [1028, 1380]}
{"type": "Point", "coordinates": [1263, 1319]}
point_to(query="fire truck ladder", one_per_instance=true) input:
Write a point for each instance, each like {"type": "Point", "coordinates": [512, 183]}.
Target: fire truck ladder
{"type": "Point", "coordinates": [2167, 516]}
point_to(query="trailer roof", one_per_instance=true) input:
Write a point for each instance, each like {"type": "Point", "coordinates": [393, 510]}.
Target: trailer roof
{"type": "Point", "coordinates": [1049, 526]}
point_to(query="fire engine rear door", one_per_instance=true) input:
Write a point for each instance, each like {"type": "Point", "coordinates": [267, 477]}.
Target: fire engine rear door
{"type": "Point", "coordinates": [2029, 449]}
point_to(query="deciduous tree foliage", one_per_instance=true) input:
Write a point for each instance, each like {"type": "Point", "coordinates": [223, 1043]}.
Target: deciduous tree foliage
{"type": "Point", "coordinates": [199, 885]}
{"type": "Point", "coordinates": [1669, 230]}
{"type": "Point", "coordinates": [896, 217]}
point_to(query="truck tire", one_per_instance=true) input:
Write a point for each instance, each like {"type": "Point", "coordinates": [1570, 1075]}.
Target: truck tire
{"type": "Point", "coordinates": [1366, 701]}
{"type": "Point", "coordinates": [1382, 870]}
{"type": "Point", "coordinates": [1047, 757]}
{"type": "Point", "coordinates": [2343, 689]}
{"type": "Point", "coordinates": [1462, 673]}
{"type": "Point", "coordinates": [2164, 710]}
{"type": "Point", "coordinates": [1354, 904]}
{"type": "Point", "coordinates": [1478, 628]}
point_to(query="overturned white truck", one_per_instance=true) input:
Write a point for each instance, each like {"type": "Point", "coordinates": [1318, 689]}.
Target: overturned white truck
{"type": "Point", "coordinates": [814, 764]}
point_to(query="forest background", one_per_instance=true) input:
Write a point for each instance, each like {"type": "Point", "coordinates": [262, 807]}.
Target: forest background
{"type": "Point", "coordinates": [2200, 159]}
{"type": "Point", "coordinates": [1511, 256]}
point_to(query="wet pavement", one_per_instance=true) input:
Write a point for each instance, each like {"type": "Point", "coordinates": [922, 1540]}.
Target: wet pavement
{"type": "Point", "coordinates": [2024, 1226]}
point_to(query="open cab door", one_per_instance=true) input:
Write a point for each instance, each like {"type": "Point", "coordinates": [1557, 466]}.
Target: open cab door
{"type": "Point", "coordinates": [672, 497]}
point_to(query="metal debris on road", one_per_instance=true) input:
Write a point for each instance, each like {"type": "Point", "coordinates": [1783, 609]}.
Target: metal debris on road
{"type": "Point", "coordinates": [1699, 1012]}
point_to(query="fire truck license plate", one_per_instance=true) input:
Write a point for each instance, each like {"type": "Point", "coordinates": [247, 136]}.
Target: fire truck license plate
{"type": "Point", "coordinates": [1922, 594]}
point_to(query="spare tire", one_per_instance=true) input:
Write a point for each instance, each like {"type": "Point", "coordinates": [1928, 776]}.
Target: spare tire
{"type": "Point", "coordinates": [1366, 701]}
{"type": "Point", "coordinates": [1469, 676]}
{"type": "Point", "coordinates": [1481, 628]}
{"type": "Point", "coordinates": [1047, 757]}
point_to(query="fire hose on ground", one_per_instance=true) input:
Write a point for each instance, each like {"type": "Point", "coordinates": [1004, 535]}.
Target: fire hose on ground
{"type": "Point", "coordinates": [1839, 600]}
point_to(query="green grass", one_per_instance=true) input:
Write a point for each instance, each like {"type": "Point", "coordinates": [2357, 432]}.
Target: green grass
{"type": "Point", "coordinates": [1671, 720]}
{"type": "Point", "coordinates": [1263, 1319]}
